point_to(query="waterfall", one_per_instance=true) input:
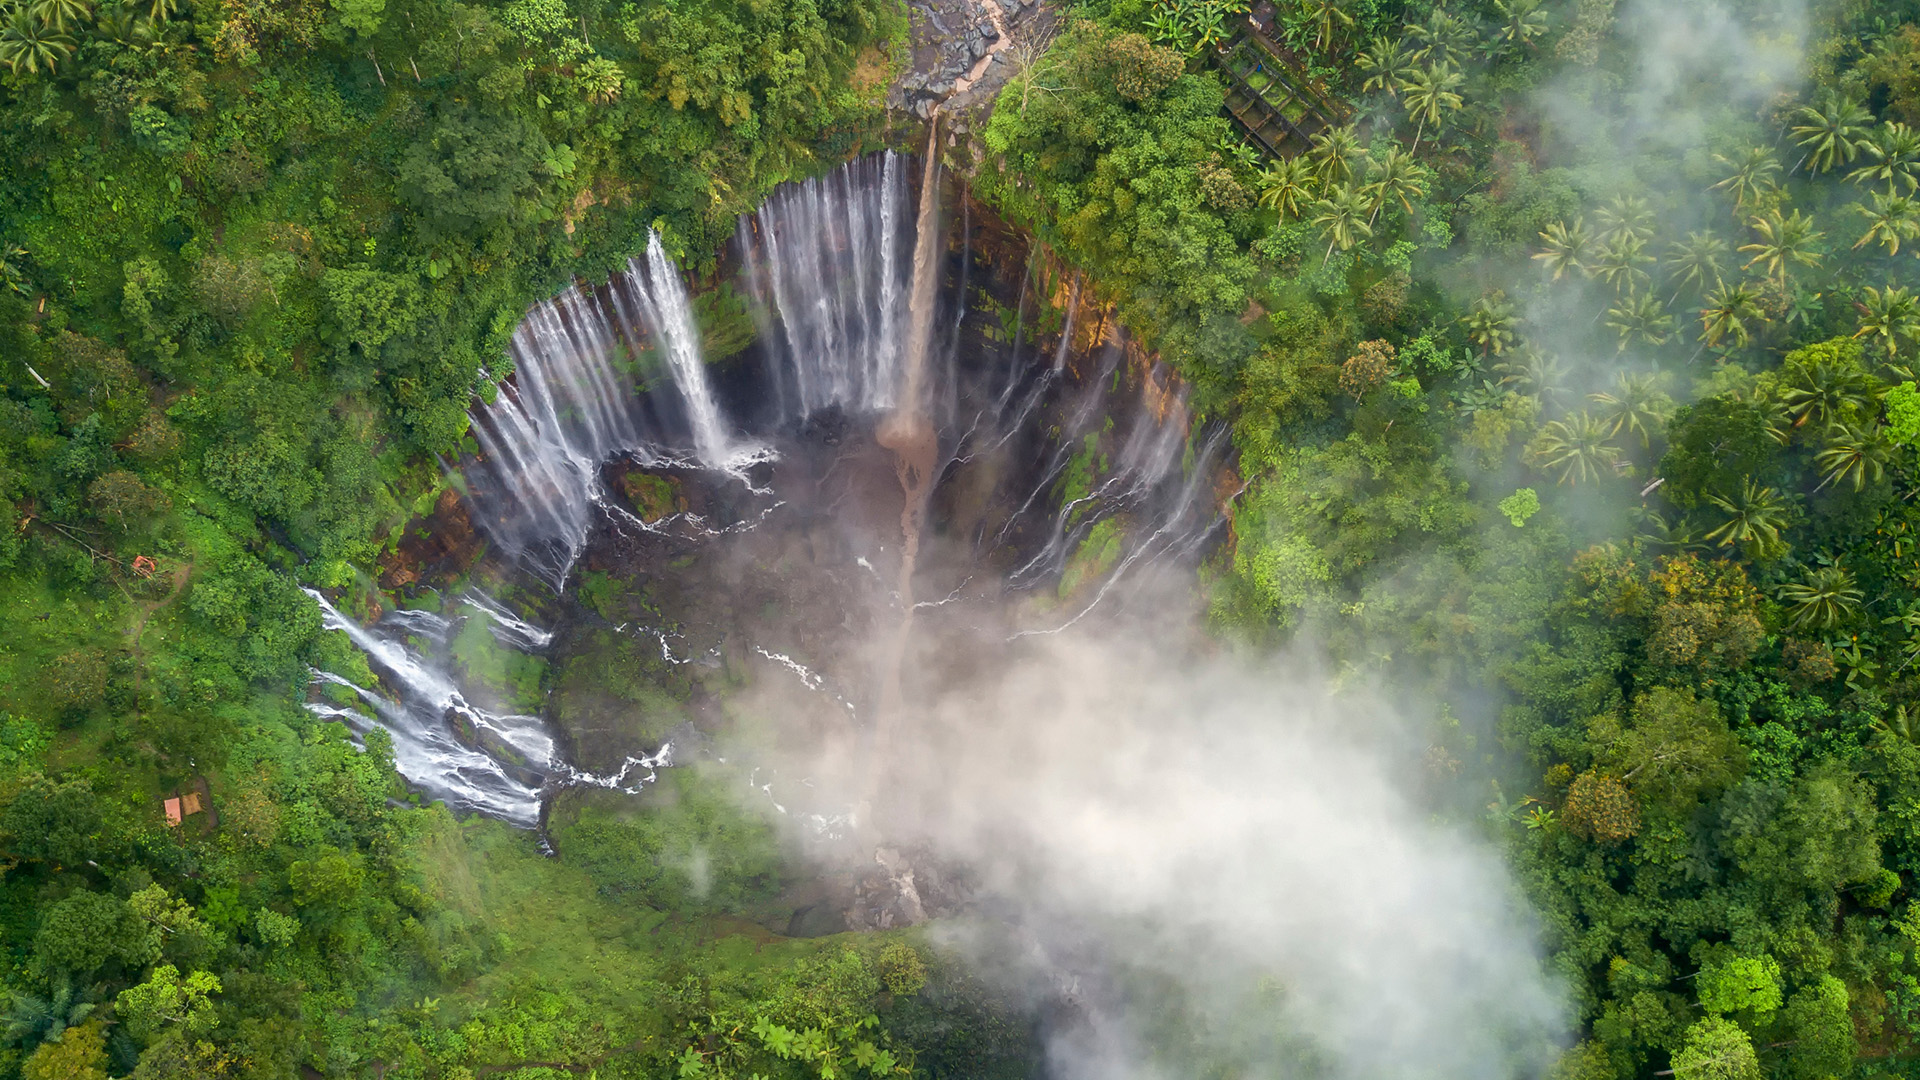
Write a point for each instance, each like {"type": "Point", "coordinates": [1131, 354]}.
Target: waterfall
{"type": "Point", "coordinates": [669, 310]}
{"type": "Point", "coordinates": [827, 259]}
{"type": "Point", "coordinates": [923, 296]}
{"type": "Point", "coordinates": [1082, 469]}
{"type": "Point", "coordinates": [575, 403]}
{"type": "Point", "coordinates": [423, 720]}
{"type": "Point", "coordinates": [499, 764]}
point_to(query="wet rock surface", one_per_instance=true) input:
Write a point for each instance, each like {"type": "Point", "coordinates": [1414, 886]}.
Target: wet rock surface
{"type": "Point", "coordinates": [964, 51]}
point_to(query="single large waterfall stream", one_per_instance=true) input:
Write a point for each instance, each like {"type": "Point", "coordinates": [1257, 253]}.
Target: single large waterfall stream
{"type": "Point", "coordinates": [1045, 460]}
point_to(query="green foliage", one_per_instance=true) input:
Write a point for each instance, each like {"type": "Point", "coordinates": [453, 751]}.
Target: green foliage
{"type": "Point", "coordinates": [1740, 984]}
{"type": "Point", "coordinates": [89, 931]}
{"type": "Point", "coordinates": [167, 1000]}
{"type": "Point", "coordinates": [1716, 1049]}
{"type": "Point", "coordinates": [689, 847]}
{"type": "Point", "coordinates": [1519, 506]}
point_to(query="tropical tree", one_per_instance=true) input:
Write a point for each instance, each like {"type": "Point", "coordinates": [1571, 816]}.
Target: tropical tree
{"type": "Point", "coordinates": [1445, 39]}
{"type": "Point", "coordinates": [1855, 455]}
{"type": "Point", "coordinates": [1624, 217]}
{"type": "Point", "coordinates": [1783, 240]}
{"type": "Point", "coordinates": [1887, 315]}
{"type": "Point", "coordinates": [33, 1019]}
{"type": "Point", "coordinates": [1893, 159]}
{"type": "Point", "coordinates": [1727, 312]}
{"type": "Point", "coordinates": [1576, 447]}
{"type": "Point", "coordinates": [600, 80]}
{"type": "Point", "coordinates": [1287, 185]}
{"type": "Point", "coordinates": [1640, 317]}
{"type": "Point", "coordinates": [1621, 262]}
{"type": "Point", "coordinates": [1431, 93]}
{"type": "Point", "coordinates": [1398, 177]}
{"type": "Point", "coordinates": [31, 46]}
{"type": "Point", "coordinates": [1823, 599]}
{"type": "Point", "coordinates": [1387, 63]}
{"type": "Point", "coordinates": [1326, 16]}
{"type": "Point", "coordinates": [1333, 152]}
{"type": "Point", "coordinates": [1342, 217]}
{"type": "Point", "coordinates": [1533, 373]}
{"type": "Point", "coordinates": [1891, 219]}
{"type": "Point", "coordinates": [1490, 324]}
{"type": "Point", "coordinates": [1637, 403]}
{"type": "Point", "coordinates": [58, 13]}
{"type": "Point", "coordinates": [1521, 21]}
{"type": "Point", "coordinates": [1566, 248]}
{"type": "Point", "coordinates": [126, 29]}
{"type": "Point", "coordinates": [1756, 516]}
{"type": "Point", "coordinates": [1833, 131]}
{"type": "Point", "coordinates": [1695, 261]}
{"type": "Point", "coordinates": [1750, 177]}
{"type": "Point", "coordinates": [1825, 390]}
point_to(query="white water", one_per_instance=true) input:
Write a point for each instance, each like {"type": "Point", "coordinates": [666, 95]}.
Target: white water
{"type": "Point", "coordinates": [671, 313]}
{"type": "Point", "coordinates": [507, 763]}
{"type": "Point", "coordinates": [846, 283]}
{"type": "Point", "coordinates": [575, 403]}
{"type": "Point", "coordinates": [828, 260]}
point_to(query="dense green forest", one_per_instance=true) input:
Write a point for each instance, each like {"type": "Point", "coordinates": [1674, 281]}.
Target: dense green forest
{"type": "Point", "coordinates": [1580, 400]}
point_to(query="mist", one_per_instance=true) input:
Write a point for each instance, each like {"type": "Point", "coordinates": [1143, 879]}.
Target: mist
{"type": "Point", "coordinates": [1209, 854]}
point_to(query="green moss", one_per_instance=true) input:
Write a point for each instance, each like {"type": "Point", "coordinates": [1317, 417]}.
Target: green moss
{"type": "Point", "coordinates": [509, 673]}
{"type": "Point", "coordinates": [1093, 558]}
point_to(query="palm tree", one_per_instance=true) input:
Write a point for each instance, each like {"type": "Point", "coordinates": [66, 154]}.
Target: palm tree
{"type": "Point", "coordinates": [1398, 177]}
{"type": "Point", "coordinates": [1824, 393]}
{"type": "Point", "coordinates": [29, 45]}
{"type": "Point", "coordinates": [1566, 248]}
{"type": "Point", "coordinates": [1783, 240]}
{"type": "Point", "coordinates": [1533, 373]}
{"type": "Point", "coordinates": [1387, 63]}
{"type": "Point", "coordinates": [1326, 15]}
{"type": "Point", "coordinates": [1625, 217]}
{"type": "Point", "coordinates": [1520, 22]}
{"type": "Point", "coordinates": [1832, 132]}
{"type": "Point", "coordinates": [1891, 219]}
{"type": "Point", "coordinates": [57, 13]}
{"type": "Point", "coordinates": [1751, 177]}
{"type": "Point", "coordinates": [1444, 39]}
{"type": "Point", "coordinates": [1696, 260]}
{"type": "Point", "coordinates": [1856, 455]}
{"type": "Point", "coordinates": [1621, 261]}
{"type": "Point", "coordinates": [1430, 94]}
{"type": "Point", "coordinates": [1342, 217]}
{"type": "Point", "coordinates": [1333, 151]}
{"type": "Point", "coordinates": [601, 80]}
{"type": "Point", "coordinates": [1490, 324]}
{"type": "Point", "coordinates": [1636, 404]}
{"type": "Point", "coordinates": [1727, 310]}
{"type": "Point", "coordinates": [1887, 315]}
{"type": "Point", "coordinates": [33, 1019]}
{"type": "Point", "coordinates": [1287, 185]}
{"type": "Point", "coordinates": [1756, 516]}
{"type": "Point", "coordinates": [1643, 317]}
{"type": "Point", "coordinates": [162, 10]}
{"type": "Point", "coordinates": [125, 29]}
{"type": "Point", "coordinates": [1577, 446]}
{"type": "Point", "coordinates": [1823, 600]}
{"type": "Point", "coordinates": [1893, 159]}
